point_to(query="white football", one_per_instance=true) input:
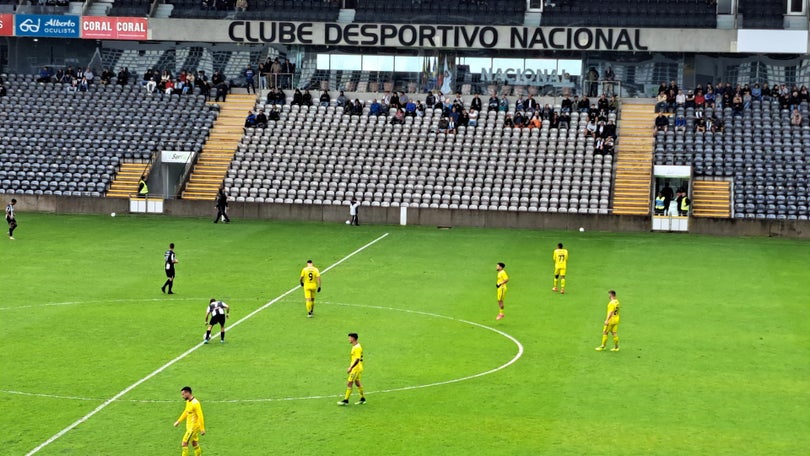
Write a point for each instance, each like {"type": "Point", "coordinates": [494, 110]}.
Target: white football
{"type": "Point", "coordinates": [347, 222]}
{"type": "Point", "coordinates": [112, 214]}
{"type": "Point", "coordinates": [581, 229]}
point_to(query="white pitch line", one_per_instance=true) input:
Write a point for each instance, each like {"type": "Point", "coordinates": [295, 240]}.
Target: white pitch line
{"type": "Point", "coordinates": [183, 355]}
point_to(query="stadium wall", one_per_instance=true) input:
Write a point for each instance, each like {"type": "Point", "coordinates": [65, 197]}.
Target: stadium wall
{"type": "Point", "coordinates": [426, 217]}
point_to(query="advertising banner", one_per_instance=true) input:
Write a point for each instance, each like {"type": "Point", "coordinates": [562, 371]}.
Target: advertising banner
{"type": "Point", "coordinates": [114, 28]}
{"type": "Point", "coordinates": [47, 26]}
{"type": "Point", "coordinates": [6, 25]}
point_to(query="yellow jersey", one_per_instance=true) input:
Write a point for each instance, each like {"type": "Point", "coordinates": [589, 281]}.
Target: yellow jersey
{"type": "Point", "coordinates": [357, 354]}
{"type": "Point", "coordinates": [502, 277]}
{"type": "Point", "coordinates": [613, 307]}
{"type": "Point", "coordinates": [560, 258]}
{"type": "Point", "coordinates": [193, 415]}
{"type": "Point", "coordinates": [309, 275]}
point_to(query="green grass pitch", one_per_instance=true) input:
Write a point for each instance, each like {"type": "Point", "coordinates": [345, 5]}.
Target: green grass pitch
{"type": "Point", "coordinates": [715, 337]}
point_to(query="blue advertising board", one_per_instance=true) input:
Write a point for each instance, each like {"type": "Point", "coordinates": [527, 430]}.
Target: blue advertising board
{"type": "Point", "coordinates": [47, 26]}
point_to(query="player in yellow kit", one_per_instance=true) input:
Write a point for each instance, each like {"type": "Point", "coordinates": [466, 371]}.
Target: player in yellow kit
{"type": "Point", "coordinates": [560, 257]}
{"type": "Point", "coordinates": [500, 285]}
{"type": "Point", "coordinates": [355, 371]}
{"type": "Point", "coordinates": [310, 279]}
{"type": "Point", "coordinates": [195, 422]}
{"type": "Point", "coordinates": [611, 323]}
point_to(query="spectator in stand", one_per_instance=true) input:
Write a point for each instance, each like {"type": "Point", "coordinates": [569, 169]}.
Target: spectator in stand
{"type": "Point", "coordinates": [168, 87]}
{"type": "Point", "coordinates": [700, 125]}
{"type": "Point", "coordinates": [341, 100]}
{"type": "Point", "coordinates": [520, 104]}
{"type": "Point", "coordinates": [222, 91]}
{"type": "Point", "coordinates": [603, 105]}
{"type": "Point", "coordinates": [590, 128]}
{"type": "Point", "coordinates": [700, 99]}
{"type": "Point", "coordinates": [518, 120]}
{"type": "Point", "coordinates": [473, 117]}
{"type": "Point", "coordinates": [796, 118]}
{"type": "Point", "coordinates": [393, 101]}
{"type": "Point", "coordinates": [398, 117]}
{"type": "Point", "coordinates": [680, 100]}
{"type": "Point", "coordinates": [410, 108]}
{"type": "Point", "coordinates": [475, 103]}
{"type": "Point", "coordinates": [306, 99]}
{"type": "Point", "coordinates": [566, 105]}
{"type": "Point", "coordinates": [444, 123]}
{"type": "Point", "coordinates": [376, 108]}
{"type": "Point", "coordinates": [273, 78]}
{"type": "Point", "coordinates": [609, 130]}
{"type": "Point", "coordinates": [709, 97]}
{"type": "Point", "coordinates": [84, 84]}
{"type": "Point", "coordinates": [430, 99]}
{"type": "Point", "coordinates": [217, 78]}
{"type": "Point", "coordinates": [241, 5]}
{"type": "Point", "coordinates": [594, 113]}
{"type": "Point", "coordinates": [463, 118]}
{"type": "Point", "coordinates": [250, 120]}
{"type": "Point", "coordinates": [44, 75]}
{"type": "Point", "coordinates": [357, 108]}
{"type": "Point", "coordinates": [493, 103]}
{"type": "Point", "coordinates": [262, 69]}
{"type": "Point", "coordinates": [261, 119]}
{"type": "Point", "coordinates": [325, 99]}
{"type": "Point", "coordinates": [249, 74]}
{"type": "Point", "coordinates": [671, 96]}
{"type": "Point", "coordinates": [680, 124]}
{"type": "Point", "coordinates": [385, 101]}
{"type": "Point", "coordinates": [545, 112]}
{"type": "Point", "coordinates": [718, 125]}
{"type": "Point", "coordinates": [746, 99]}
{"type": "Point", "coordinates": [661, 122]}
{"type": "Point", "coordinates": [609, 77]}
{"type": "Point", "coordinates": [756, 92]}
{"type": "Point", "coordinates": [663, 88]}
{"type": "Point", "coordinates": [531, 104]}
{"type": "Point", "coordinates": [565, 120]}
{"type": "Point", "coordinates": [503, 104]}
{"type": "Point", "coordinates": [403, 99]}
{"type": "Point", "coordinates": [3, 90]}
{"type": "Point", "coordinates": [584, 104]}
{"type": "Point", "coordinates": [151, 85]}
{"type": "Point", "coordinates": [593, 84]}
{"type": "Point", "coordinates": [737, 104]}
{"type": "Point", "coordinates": [274, 115]}
{"type": "Point", "coordinates": [795, 100]}
{"type": "Point", "coordinates": [535, 121]}
{"type": "Point", "coordinates": [607, 146]}
{"type": "Point", "coordinates": [60, 74]}
{"type": "Point", "coordinates": [420, 109]}
{"type": "Point", "coordinates": [690, 100]}
{"type": "Point", "coordinates": [661, 104]}
{"type": "Point", "coordinates": [298, 98]}
{"type": "Point", "coordinates": [508, 122]}
{"type": "Point", "coordinates": [106, 76]}
{"type": "Point", "coordinates": [766, 92]}
{"type": "Point", "coordinates": [554, 120]}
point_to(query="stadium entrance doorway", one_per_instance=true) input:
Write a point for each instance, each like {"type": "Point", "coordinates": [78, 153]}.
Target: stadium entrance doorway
{"type": "Point", "coordinates": [671, 201]}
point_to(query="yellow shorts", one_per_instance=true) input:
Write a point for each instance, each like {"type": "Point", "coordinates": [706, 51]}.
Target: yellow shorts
{"type": "Point", "coordinates": [611, 328]}
{"type": "Point", "coordinates": [559, 271]}
{"type": "Point", "coordinates": [355, 375]}
{"type": "Point", "coordinates": [191, 435]}
{"type": "Point", "coordinates": [501, 292]}
{"type": "Point", "coordinates": [309, 292]}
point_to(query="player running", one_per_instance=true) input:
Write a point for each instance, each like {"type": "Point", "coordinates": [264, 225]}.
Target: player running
{"type": "Point", "coordinates": [310, 279]}
{"type": "Point", "coordinates": [611, 323]}
{"type": "Point", "coordinates": [195, 423]}
{"type": "Point", "coordinates": [218, 311]}
{"type": "Point", "coordinates": [560, 257]}
{"type": "Point", "coordinates": [355, 371]}
{"type": "Point", "coordinates": [500, 284]}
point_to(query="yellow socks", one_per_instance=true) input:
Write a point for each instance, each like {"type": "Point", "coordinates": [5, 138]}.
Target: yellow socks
{"type": "Point", "coordinates": [197, 450]}
{"type": "Point", "coordinates": [360, 388]}
{"type": "Point", "coordinates": [615, 341]}
{"type": "Point", "coordinates": [185, 451]}
{"type": "Point", "coordinates": [562, 283]}
{"type": "Point", "coordinates": [604, 340]}
{"type": "Point", "coordinates": [348, 393]}
{"type": "Point", "coordinates": [555, 282]}
{"type": "Point", "coordinates": [309, 306]}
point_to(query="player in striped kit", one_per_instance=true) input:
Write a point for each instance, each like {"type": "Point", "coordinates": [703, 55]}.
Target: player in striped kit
{"type": "Point", "coordinates": [218, 311]}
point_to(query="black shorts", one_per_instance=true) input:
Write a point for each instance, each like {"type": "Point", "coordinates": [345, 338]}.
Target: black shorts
{"type": "Point", "coordinates": [170, 273]}
{"type": "Point", "coordinates": [217, 320]}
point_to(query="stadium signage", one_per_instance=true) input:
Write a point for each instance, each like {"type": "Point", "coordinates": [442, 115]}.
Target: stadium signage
{"type": "Point", "coordinates": [527, 76]}
{"type": "Point", "coordinates": [438, 36]}
{"type": "Point", "coordinates": [114, 28]}
{"type": "Point", "coordinates": [47, 26]}
{"type": "Point", "coordinates": [6, 24]}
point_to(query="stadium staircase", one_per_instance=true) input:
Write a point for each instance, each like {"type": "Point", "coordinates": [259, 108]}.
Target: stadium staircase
{"type": "Point", "coordinates": [711, 198]}
{"type": "Point", "coordinates": [634, 157]}
{"type": "Point", "coordinates": [125, 184]}
{"type": "Point", "coordinates": [215, 158]}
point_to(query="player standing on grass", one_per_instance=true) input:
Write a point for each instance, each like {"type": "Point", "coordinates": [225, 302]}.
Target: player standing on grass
{"type": "Point", "coordinates": [500, 285]}
{"type": "Point", "coordinates": [611, 323]}
{"type": "Point", "coordinates": [218, 311]}
{"type": "Point", "coordinates": [10, 218]}
{"type": "Point", "coordinates": [355, 371]}
{"type": "Point", "coordinates": [560, 257]}
{"type": "Point", "coordinates": [169, 260]}
{"type": "Point", "coordinates": [195, 422]}
{"type": "Point", "coordinates": [310, 279]}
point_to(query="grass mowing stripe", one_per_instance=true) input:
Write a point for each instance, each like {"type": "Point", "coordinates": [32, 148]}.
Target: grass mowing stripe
{"type": "Point", "coordinates": [183, 355]}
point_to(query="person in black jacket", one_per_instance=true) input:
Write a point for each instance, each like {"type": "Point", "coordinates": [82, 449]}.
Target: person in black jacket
{"type": "Point", "coordinates": [222, 207]}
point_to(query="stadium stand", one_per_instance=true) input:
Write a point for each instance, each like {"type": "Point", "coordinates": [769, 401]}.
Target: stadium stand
{"type": "Point", "coordinates": [632, 13]}
{"type": "Point", "coordinates": [766, 158]}
{"type": "Point", "coordinates": [502, 12]}
{"type": "Point", "coordinates": [762, 14]}
{"type": "Point", "coordinates": [136, 8]}
{"type": "Point", "coordinates": [277, 10]}
{"type": "Point", "coordinates": [53, 142]}
{"type": "Point", "coordinates": [320, 155]}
